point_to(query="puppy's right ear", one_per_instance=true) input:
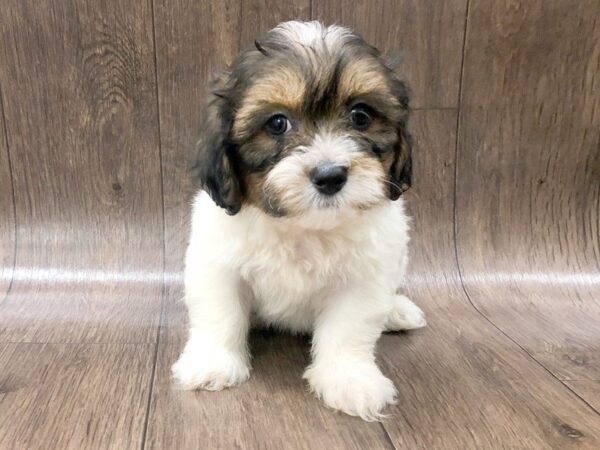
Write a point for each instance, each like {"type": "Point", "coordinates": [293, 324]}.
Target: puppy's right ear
{"type": "Point", "coordinates": [216, 160]}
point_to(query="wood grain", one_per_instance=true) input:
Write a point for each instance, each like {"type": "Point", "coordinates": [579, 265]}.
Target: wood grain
{"type": "Point", "coordinates": [429, 34]}
{"type": "Point", "coordinates": [73, 396]}
{"type": "Point", "coordinates": [461, 383]}
{"type": "Point", "coordinates": [274, 409]}
{"type": "Point", "coordinates": [7, 214]}
{"type": "Point", "coordinates": [80, 108]}
{"type": "Point", "coordinates": [528, 185]}
{"type": "Point", "coordinates": [587, 389]}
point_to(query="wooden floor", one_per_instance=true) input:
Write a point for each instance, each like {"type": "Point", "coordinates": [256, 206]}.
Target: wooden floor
{"type": "Point", "coordinates": [99, 106]}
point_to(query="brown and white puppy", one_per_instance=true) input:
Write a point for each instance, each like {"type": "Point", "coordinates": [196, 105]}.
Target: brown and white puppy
{"type": "Point", "coordinates": [300, 225]}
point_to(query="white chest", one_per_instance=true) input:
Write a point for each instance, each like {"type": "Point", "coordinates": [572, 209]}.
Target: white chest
{"type": "Point", "coordinates": [291, 280]}
{"type": "Point", "coordinates": [291, 273]}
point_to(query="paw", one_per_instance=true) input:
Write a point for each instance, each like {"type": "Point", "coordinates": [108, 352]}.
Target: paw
{"type": "Point", "coordinates": [211, 370]}
{"type": "Point", "coordinates": [358, 389]}
{"type": "Point", "coordinates": [405, 315]}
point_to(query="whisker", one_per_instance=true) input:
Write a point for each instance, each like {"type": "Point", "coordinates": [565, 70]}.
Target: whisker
{"type": "Point", "coordinates": [392, 183]}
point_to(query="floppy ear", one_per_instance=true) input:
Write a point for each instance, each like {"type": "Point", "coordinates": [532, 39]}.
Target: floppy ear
{"type": "Point", "coordinates": [401, 169]}
{"type": "Point", "coordinates": [216, 161]}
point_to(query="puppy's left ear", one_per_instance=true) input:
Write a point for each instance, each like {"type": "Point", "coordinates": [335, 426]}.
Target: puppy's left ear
{"type": "Point", "coordinates": [401, 169]}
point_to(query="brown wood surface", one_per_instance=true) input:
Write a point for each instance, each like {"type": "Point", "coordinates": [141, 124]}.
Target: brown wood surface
{"type": "Point", "coordinates": [73, 395]}
{"type": "Point", "coordinates": [427, 33]}
{"type": "Point", "coordinates": [7, 214]}
{"type": "Point", "coordinates": [587, 389]}
{"type": "Point", "coordinates": [79, 100]}
{"type": "Point", "coordinates": [528, 179]}
{"type": "Point", "coordinates": [100, 108]}
{"type": "Point", "coordinates": [274, 409]}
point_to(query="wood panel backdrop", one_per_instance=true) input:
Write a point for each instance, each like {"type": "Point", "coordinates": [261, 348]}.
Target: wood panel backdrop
{"type": "Point", "coordinates": [100, 105]}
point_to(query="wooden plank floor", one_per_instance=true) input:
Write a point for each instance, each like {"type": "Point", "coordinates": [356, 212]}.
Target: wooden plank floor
{"type": "Point", "coordinates": [99, 106]}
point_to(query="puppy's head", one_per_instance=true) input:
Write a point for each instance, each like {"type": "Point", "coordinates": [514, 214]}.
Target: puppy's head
{"type": "Point", "coordinates": [308, 125]}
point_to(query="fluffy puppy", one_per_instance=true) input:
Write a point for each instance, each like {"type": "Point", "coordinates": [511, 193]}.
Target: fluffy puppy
{"type": "Point", "coordinates": [300, 225]}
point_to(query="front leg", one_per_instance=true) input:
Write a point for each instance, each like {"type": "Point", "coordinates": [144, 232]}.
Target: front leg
{"type": "Point", "coordinates": [216, 354]}
{"type": "Point", "coordinates": [343, 372]}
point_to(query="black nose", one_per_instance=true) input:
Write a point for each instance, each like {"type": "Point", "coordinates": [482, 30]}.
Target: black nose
{"type": "Point", "coordinates": [329, 178]}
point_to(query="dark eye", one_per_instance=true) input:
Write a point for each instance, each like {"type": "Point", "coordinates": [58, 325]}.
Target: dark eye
{"type": "Point", "coordinates": [278, 124]}
{"type": "Point", "coordinates": [361, 117]}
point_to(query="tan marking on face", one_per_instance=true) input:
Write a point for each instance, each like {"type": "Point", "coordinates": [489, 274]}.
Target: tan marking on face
{"type": "Point", "coordinates": [363, 76]}
{"type": "Point", "coordinates": [368, 165]}
{"type": "Point", "coordinates": [284, 88]}
{"type": "Point", "coordinates": [262, 196]}
{"type": "Point", "coordinates": [386, 161]}
{"type": "Point", "coordinates": [367, 170]}
{"type": "Point", "coordinates": [254, 187]}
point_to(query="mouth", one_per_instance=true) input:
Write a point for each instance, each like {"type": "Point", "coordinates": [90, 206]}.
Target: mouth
{"type": "Point", "coordinates": [327, 203]}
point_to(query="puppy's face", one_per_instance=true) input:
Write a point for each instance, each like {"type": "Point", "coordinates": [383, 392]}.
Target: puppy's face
{"type": "Point", "coordinates": [309, 126]}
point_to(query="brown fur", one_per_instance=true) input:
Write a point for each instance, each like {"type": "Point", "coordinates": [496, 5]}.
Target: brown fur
{"type": "Point", "coordinates": [363, 77]}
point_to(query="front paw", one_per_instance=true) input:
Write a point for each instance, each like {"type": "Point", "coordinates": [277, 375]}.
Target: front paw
{"type": "Point", "coordinates": [211, 370]}
{"type": "Point", "coordinates": [357, 388]}
{"type": "Point", "coordinates": [405, 315]}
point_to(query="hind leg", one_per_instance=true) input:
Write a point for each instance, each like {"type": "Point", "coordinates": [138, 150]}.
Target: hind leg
{"type": "Point", "coordinates": [405, 315]}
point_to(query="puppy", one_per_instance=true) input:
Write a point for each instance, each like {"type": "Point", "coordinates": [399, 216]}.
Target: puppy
{"type": "Point", "coordinates": [300, 225]}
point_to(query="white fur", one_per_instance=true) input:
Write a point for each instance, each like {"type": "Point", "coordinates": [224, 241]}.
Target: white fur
{"type": "Point", "coordinates": [297, 194]}
{"type": "Point", "coordinates": [405, 315]}
{"type": "Point", "coordinates": [313, 33]}
{"type": "Point", "coordinates": [339, 282]}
